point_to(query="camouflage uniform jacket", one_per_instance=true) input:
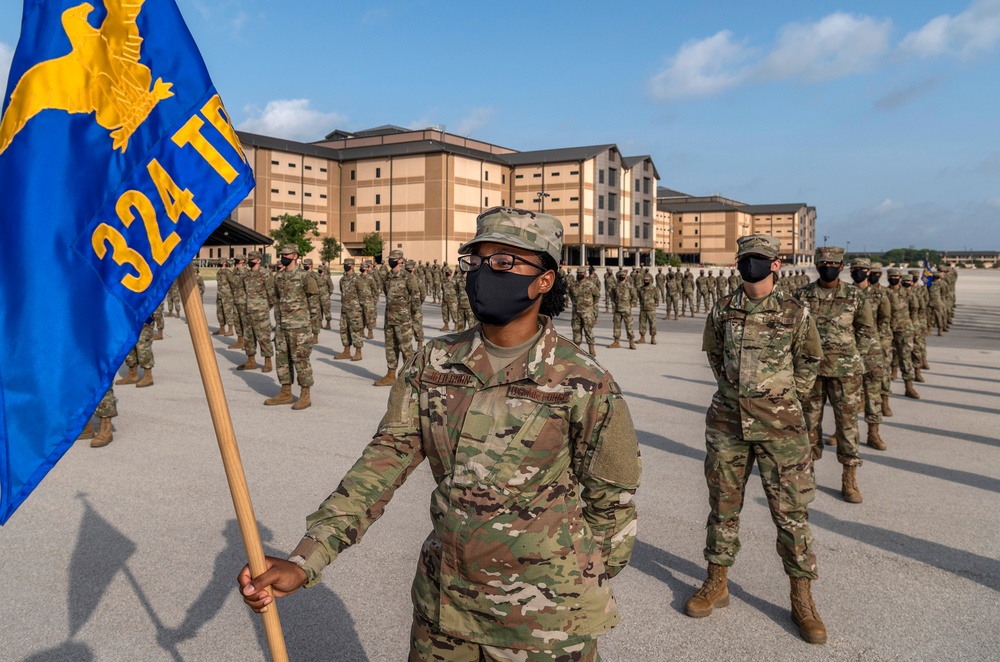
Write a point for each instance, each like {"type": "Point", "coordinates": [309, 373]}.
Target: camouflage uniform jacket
{"type": "Point", "coordinates": [222, 281]}
{"type": "Point", "coordinates": [609, 282]}
{"type": "Point", "coordinates": [351, 285]}
{"type": "Point", "coordinates": [325, 285]}
{"type": "Point", "coordinates": [649, 297]}
{"type": "Point", "coordinates": [258, 288]}
{"type": "Point", "coordinates": [449, 289]}
{"type": "Point", "coordinates": [765, 358]}
{"type": "Point", "coordinates": [368, 287]}
{"type": "Point", "coordinates": [734, 282]}
{"type": "Point", "coordinates": [536, 469]}
{"type": "Point", "coordinates": [687, 283]}
{"type": "Point", "coordinates": [296, 299]}
{"type": "Point", "coordinates": [235, 279]}
{"type": "Point", "coordinates": [415, 288]}
{"type": "Point", "coordinates": [846, 327]}
{"type": "Point", "coordinates": [463, 296]}
{"type": "Point", "coordinates": [585, 295]}
{"type": "Point", "coordinates": [900, 303]}
{"type": "Point", "coordinates": [881, 311]}
{"type": "Point", "coordinates": [397, 299]}
{"type": "Point", "coordinates": [878, 298]}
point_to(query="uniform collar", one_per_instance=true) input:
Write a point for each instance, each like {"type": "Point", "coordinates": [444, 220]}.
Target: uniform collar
{"type": "Point", "coordinates": [741, 301]}
{"type": "Point", "coordinates": [473, 357]}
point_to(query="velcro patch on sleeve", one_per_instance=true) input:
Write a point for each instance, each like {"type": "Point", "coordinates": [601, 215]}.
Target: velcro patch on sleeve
{"type": "Point", "coordinates": [617, 458]}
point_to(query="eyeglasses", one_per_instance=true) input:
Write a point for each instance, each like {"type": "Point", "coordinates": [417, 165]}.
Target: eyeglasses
{"type": "Point", "coordinates": [497, 262]}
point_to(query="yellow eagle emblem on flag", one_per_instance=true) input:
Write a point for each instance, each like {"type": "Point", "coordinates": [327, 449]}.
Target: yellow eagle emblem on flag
{"type": "Point", "coordinates": [100, 75]}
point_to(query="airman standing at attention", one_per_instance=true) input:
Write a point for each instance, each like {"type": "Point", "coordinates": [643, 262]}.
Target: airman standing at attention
{"type": "Point", "coordinates": [368, 289]}
{"type": "Point", "coordinates": [325, 283]}
{"type": "Point", "coordinates": [902, 330]}
{"type": "Point", "coordinates": [848, 334]}
{"type": "Point", "coordinates": [874, 360]}
{"type": "Point", "coordinates": [236, 285]}
{"type": "Point", "coordinates": [106, 410]}
{"type": "Point", "coordinates": [649, 299]}
{"type": "Point", "coordinates": [295, 294]}
{"type": "Point", "coordinates": [258, 292]}
{"type": "Point", "coordinates": [734, 281]}
{"type": "Point", "coordinates": [661, 283]}
{"type": "Point", "coordinates": [174, 300]}
{"type": "Point", "coordinates": [414, 286]}
{"type": "Point", "coordinates": [141, 355]}
{"type": "Point", "coordinates": [436, 280]}
{"type": "Point", "coordinates": [609, 285]}
{"type": "Point", "coordinates": [701, 291]}
{"type": "Point", "coordinates": [352, 322]}
{"type": "Point", "coordinates": [687, 292]}
{"type": "Point", "coordinates": [449, 301]}
{"type": "Point", "coordinates": [466, 319]}
{"type": "Point", "coordinates": [585, 296]}
{"type": "Point", "coordinates": [623, 298]}
{"type": "Point", "coordinates": [398, 319]}
{"type": "Point", "coordinates": [224, 301]}
{"type": "Point", "coordinates": [764, 351]}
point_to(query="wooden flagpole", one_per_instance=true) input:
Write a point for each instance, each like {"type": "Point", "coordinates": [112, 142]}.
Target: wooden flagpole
{"type": "Point", "coordinates": [219, 408]}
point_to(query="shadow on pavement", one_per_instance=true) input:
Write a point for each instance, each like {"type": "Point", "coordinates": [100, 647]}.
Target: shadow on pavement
{"type": "Point", "coordinates": [953, 475]}
{"type": "Point", "coordinates": [664, 566]}
{"type": "Point", "coordinates": [956, 389]}
{"type": "Point", "coordinates": [71, 651]}
{"type": "Point", "coordinates": [700, 409]}
{"type": "Point", "coordinates": [693, 381]}
{"type": "Point", "coordinates": [959, 405]}
{"type": "Point", "coordinates": [669, 445]}
{"type": "Point", "coordinates": [967, 365]}
{"type": "Point", "coordinates": [353, 368]}
{"type": "Point", "coordinates": [944, 434]}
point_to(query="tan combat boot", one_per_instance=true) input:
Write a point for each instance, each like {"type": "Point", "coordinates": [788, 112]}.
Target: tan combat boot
{"type": "Point", "coordinates": [615, 344]}
{"type": "Point", "coordinates": [218, 332]}
{"type": "Point", "coordinates": [631, 345]}
{"type": "Point", "coordinates": [229, 331]}
{"type": "Point", "coordinates": [357, 355]}
{"type": "Point", "coordinates": [923, 363]}
{"type": "Point", "coordinates": [445, 327]}
{"type": "Point", "coordinates": [88, 432]}
{"type": "Point", "coordinates": [267, 365]}
{"type": "Point", "coordinates": [886, 409]}
{"type": "Point", "coordinates": [675, 316]}
{"type": "Point", "coordinates": [713, 593]}
{"type": "Point", "coordinates": [147, 378]}
{"type": "Point", "coordinates": [804, 611]}
{"type": "Point", "coordinates": [346, 354]}
{"type": "Point", "coordinates": [593, 350]}
{"type": "Point", "coordinates": [874, 440]}
{"type": "Point", "coordinates": [131, 378]}
{"type": "Point", "coordinates": [251, 364]}
{"type": "Point", "coordinates": [849, 487]}
{"type": "Point", "coordinates": [238, 344]}
{"type": "Point", "coordinates": [315, 338]}
{"type": "Point", "coordinates": [895, 373]}
{"type": "Point", "coordinates": [327, 327]}
{"type": "Point", "coordinates": [371, 334]}
{"type": "Point", "coordinates": [917, 377]}
{"type": "Point", "coordinates": [304, 402]}
{"type": "Point", "coordinates": [284, 396]}
{"type": "Point", "coordinates": [388, 380]}
{"type": "Point", "coordinates": [641, 340]}
{"type": "Point", "coordinates": [103, 436]}
{"type": "Point", "coordinates": [910, 392]}
{"type": "Point", "coordinates": [831, 440]}
{"type": "Point", "coordinates": [652, 339]}
{"type": "Point", "coordinates": [159, 335]}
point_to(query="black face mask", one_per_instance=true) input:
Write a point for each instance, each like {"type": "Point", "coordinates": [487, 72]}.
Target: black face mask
{"type": "Point", "coordinates": [907, 284]}
{"type": "Point", "coordinates": [393, 263]}
{"type": "Point", "coordinates": [829, 274]}
{"type": "Point", "coordinates": [498, 297]}
{"type": "Point", "coordinates": [347, 268]}
{"type": "Point", "coordinates": [874, 278]}
{"type": "Point", "coordinates": [754, 269]}
{"type": "Point", "coordinates": [285, 261]}
{"type": "Point", "coordinates": [859, 275]}
{"type": "Point", "coordinates": [893, 282]}
{"type": "Point", "coordinates": [580, 277]}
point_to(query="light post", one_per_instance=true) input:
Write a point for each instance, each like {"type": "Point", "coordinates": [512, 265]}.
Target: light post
{"type": "Point", "coordinates": [540, 200]}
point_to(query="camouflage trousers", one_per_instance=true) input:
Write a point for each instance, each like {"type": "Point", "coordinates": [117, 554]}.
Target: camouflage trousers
{"type": "Point", "coordinates": [142, 354]}
{"type": "Point", "coordinates": [352, 327]}
{"type": "Point", "coordinates": [173, 301]}
{"type": "Point", "coordinates": [583, 327]}
{"type": "Point", "coordinates": [369, 313]}
{"type": "Point", "coordinates": [315, 320]}
{"type": "Point", "coordinates": [647, 322]}
{"type": "Point", "coordinates": [291, 350]}
{"type": "Point", "coordinates": [257, 332]}
{"type": "Point", "coordinates": [886, 344]}
{"type": "Point", "coordinates": [872, 382]}
{"type": "Point", "coordinates": [325, 311]}
{"type": "Point", "coordinates": [429, 645]}
{"type": "Point", "coordinates": [417, 314]}
{"type": "Point", "coordinates": [672, 304]}
{"type": "Point", "coordinates": [398, 340]}
{"type": "Point", "coordinates": [158, 318]}
{"type": "Point", "coordinates": [107, 408]}
{"type": "Point", "coordinates": [938, 318]}
{"type": "Point", "coordinates": [902, 345]}
{"type": "Point", "coordinates": [220, 311]}
{"type": "Point", "coordinates": [232, 317]}
{"type": "Point", "coordinates": [622, 318]}
{"type": "Point", "coordinates": [789, 485]}
{"type": "Point", "coordinates": [844, 394]}
{"type": "Point", "coordinates": [687, 303]}
{"type": "Point", "coordinates": [701, 298]}
{"type": "Point", "coordinates": [465, 319]}
{"type": "Point", "coordinates": [607, 299]}
{"type": "Point", "coordinates": [919, 344]}
{"type": "Point", "coordinates": [449, 311]}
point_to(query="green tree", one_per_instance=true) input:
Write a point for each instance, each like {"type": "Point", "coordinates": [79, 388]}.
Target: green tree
{"type": "Point", "coordinates": [295, 229]}
{"type": "Point", "coordinates": [661, 259]}
{"type": "Point", "coordinates": [675, 261]}
{"type": "Point", "coordinates": [330, 250]}
{"type": "Point", "coordinates": [979, 264]}
{"type": "Point", "coordinates": [373, 244]}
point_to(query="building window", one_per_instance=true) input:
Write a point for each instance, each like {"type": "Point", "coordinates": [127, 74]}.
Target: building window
{"type": "Point", "coordinates": [352, 175]}
{"type": "Point", "coordinates": [273, 218]}
{"type": "Point", "coordinates": [378, 225]}
{"type": "Point", "coordinates": [637, 232]}
{"type": "Point", "coordinates": [554, 200]}
{"type": "Point", "coordinates": [486, 201]}
{"type": "Point", "coordinates": [378, 198]}
{"type": "Point", "coordinates": [696, 244]}
{"type": "Point", "coordinates": [518, 202]}
{"type": "Point", "coordinates": [612, 177]}
{"type": "Point", "coordinates": [600, 176]}
{"type": "Point", "coordinates": [600, 202]}
{"type": "Point", "coordinates": [503, 179]}
{"type": "Point", "coordinates": [275, 163]}
{"type": "Point", "coordinates": [696, 230]}
{"type": "Point", "coordinates": [518, 176]}
{"type": "Point", "coordinates": [637, 209]}
{"type": "Point", "coordinates": [486, 175]}
{"type": "Point", "coordinates": [352, 226]}
{"type": "Point", "coordinates": [274, 190]}
{"type": "Point", "coordinates": [554, 174]}
{"type": "Point", "coordinates": [600, 227]}
{"type": "Point", "coordinates": [637, 185]}
{"type": "Point", "coordinates": [352, 200]}
{"type": "Point", "coordinates": [574, 225]}
{"type": "Point", "coordinates": [378, 173]}
{"type": "Point", "coordinates": [612, 202]}
{"type": "Point", "coordinates": [611, 227]}
{"type": "Point", "coordinates": [291, 165]}
{"type": "Point", "coordinates": [309, 167]}
{"type": "Point", "coordinates": [574, 198]}
{"type": "Point", "coordinates": [537, 174]}
{"type": "Point", "coordinates": [503, 202]}
{"type": "Point", "coordinates": [322, 196]}
{"type": "Point", "coordinates": [574, 172]}
{"type": "Point", "coordinates": [291, 193]}
{"type": "Point", "coordinates": [309, 195]}
{"type": "Point", "coordinates": [645, 207]}
{"type": "Point", "coordinates": [645, 230]}
{"type": "Point", "coordinates": [645, 185]}
{"type": "Point", "coordinates": [322, 169]}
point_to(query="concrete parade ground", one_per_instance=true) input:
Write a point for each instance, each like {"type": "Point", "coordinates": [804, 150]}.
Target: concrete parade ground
{"type": "Point", "coordinates": [130, 552]}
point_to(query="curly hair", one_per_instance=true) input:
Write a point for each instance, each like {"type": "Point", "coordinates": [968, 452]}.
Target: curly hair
{"type": "Point", "coordinates": [553, 301]}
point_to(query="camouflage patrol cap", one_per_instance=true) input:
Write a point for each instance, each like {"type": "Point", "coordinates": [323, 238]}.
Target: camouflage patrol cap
{"type": "Point", "coordinates": [288, 249]}
{"type": "Point", "coordinates": [349, 262]}
{"type": "Point", "coordinates": [829, 254]}
{"type": "Point", "coordinates": [410, 264]}
{"type": "Point", "coordinates": [895, 272]}
{"type": "Point", "coordinates": [542, 233]}
{"type": "Point", "coordinates": [581, 271]}
{"type": "Point", "coordinates": [307, 261]}
{"type": "Point", "coordinates": [861, 263]}
{"type": "Point", "coordinates": [396, 254]}
{"type": "Point", "coordinates": [758, 244]}
{"type": "Point", "coordinates": [253, 255]}
{"type": "Point", "coordinates": [876, 266]}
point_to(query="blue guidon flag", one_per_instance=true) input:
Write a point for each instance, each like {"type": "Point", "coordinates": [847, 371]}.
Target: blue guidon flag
{"type": "Point", "coordinates": [117, 160]}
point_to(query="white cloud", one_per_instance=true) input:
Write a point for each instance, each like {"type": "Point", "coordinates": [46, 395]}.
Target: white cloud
{"type": "Point", "coordinates": [477, 119]}
{"type": "Point", "coordinates": [974, 31]}
{"type": "Point", "coordinates": [887, 206]}
{"type": "Point", "coordinates": [836, 46]}
{"type": "Point", "coordinates": [6, 56]}
{"type": "Point", "coordinates": [702, 67]}
{"type": "Point", "coordinates": [292, 119]}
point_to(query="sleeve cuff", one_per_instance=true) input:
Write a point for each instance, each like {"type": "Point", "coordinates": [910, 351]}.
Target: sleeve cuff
{"type": "Point", "coordinates": [312, 557]}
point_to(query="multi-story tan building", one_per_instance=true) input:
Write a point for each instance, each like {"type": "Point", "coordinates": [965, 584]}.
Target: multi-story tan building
{"type": "Point", "coordinates": [705, 229]}
{"type": "Point", "coordinates": [422, 191]}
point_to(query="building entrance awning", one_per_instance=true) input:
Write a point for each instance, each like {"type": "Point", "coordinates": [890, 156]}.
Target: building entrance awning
{"type": "Point", "coordinates": [231, 233]}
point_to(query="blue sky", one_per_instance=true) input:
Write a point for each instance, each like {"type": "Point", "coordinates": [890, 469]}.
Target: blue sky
{"type": "Point", "coordinates": [882, 115]}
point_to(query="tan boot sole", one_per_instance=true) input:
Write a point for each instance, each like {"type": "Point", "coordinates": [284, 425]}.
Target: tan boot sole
{"type": "Point", "coordinates": [702, 613]}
